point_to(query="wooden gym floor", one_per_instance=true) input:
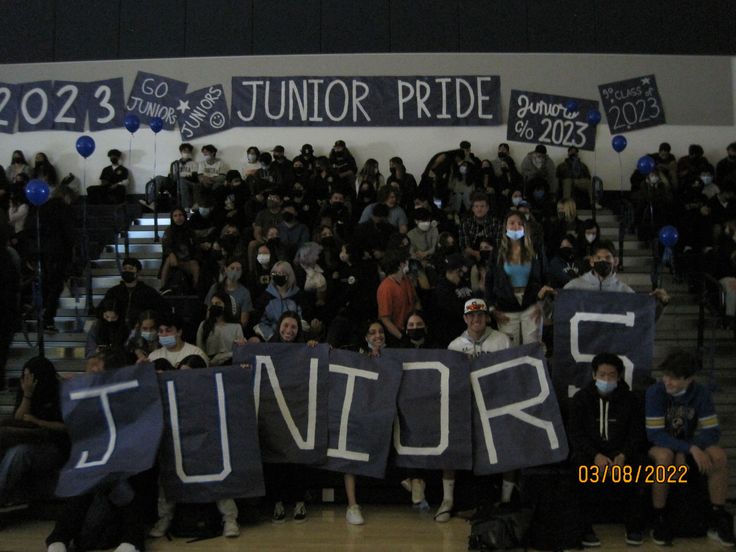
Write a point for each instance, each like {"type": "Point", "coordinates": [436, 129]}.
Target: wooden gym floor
{"type": "Point", "coordinates": [387, 529]}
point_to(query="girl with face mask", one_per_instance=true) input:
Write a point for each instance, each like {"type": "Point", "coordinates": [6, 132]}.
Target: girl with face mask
{"type": "Point", "coordinates": [218, 332]}
{"type": "Point", "coordinates": [18, 165]}
{"type": "Point", "coordinates": [230, 283]}
{"type": "Point", "coordinates": [108, 333]}
{"type": "Point", "coordinates": [514, 284]}
{"type": "Point", "coordinates": [179, 248]}
{"type": "Point", "coordinates": [282, 294]}
{"type": "Point", "coordinates": [144, 337]}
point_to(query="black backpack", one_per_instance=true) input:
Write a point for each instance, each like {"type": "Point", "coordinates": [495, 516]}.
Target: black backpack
{"type": "Point", "coordinates": [557, 522]}
{"type": "Point", "coordinates": [196, 521]}
{"type": "Point", "coordinates": [502, 528]}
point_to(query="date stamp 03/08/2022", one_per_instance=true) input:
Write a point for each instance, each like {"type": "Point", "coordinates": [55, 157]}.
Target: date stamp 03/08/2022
{"type": "Point", "coordinates": [632, 474]}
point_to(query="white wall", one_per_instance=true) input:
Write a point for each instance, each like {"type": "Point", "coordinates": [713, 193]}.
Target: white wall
{"type": "Point", "coordinates": [686, 98]}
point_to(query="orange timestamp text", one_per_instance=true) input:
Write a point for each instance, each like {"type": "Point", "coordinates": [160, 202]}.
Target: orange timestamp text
{"type": "Point", "coordinates": [632, 474]}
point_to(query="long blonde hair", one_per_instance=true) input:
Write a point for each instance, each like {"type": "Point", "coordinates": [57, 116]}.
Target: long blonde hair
{"type": "Point", "coordinates": [527, 248]}
{"type": "Point", "coordinates": [569, 207]}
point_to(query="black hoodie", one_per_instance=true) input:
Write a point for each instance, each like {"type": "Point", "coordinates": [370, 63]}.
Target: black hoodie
{"type": "Point", "coordinates": [608, 424]}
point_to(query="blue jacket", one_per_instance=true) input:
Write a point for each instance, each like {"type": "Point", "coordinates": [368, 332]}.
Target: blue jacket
{"type": "Point", "coordinates": [677, 423]}
{"type": "Point", "coordinates": [276, 307]}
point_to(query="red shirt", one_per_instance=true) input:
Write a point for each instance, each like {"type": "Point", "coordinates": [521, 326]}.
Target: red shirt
{"type": "Point", "coordinates": [396, 300]}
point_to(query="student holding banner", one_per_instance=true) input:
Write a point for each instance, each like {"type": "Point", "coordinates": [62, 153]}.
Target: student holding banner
{"type": "Point", "coordinates": [476, 339]}
{"type": "Point", "coordinates": [602, 277]}
{"type": "Point", "coordinates": [514, 284]}
{"type": "Point", "coordinates": [286, 482]}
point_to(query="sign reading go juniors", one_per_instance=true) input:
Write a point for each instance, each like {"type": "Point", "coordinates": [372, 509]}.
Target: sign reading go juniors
{"type": "Point", "coordinates": [545, 119]}
{"type": "Point", "coordinates": [366, 101]}
{"type": "Point", "coordinates": [632, 104]}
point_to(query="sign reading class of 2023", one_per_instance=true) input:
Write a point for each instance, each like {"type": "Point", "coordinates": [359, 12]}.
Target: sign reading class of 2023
{"type": "Point", "coordinates": [346, 101]}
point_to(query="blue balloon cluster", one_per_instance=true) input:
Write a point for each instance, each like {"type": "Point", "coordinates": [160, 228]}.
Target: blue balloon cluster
{"type": "Point", "coordinates": [37, 192]}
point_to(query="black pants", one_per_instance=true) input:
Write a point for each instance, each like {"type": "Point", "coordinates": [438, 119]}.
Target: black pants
{"type": "Point", "coordinates": [131, 517]}
{"type": "Point", "coordinates": [105, 195]}
{"type": "Point", "coordinates": [286, 482]}
{"type": "Point", "coordinates": [54, 274]}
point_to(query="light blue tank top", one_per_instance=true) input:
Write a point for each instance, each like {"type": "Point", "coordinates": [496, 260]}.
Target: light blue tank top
{"type": "Point", "coordinates": [518, 273]}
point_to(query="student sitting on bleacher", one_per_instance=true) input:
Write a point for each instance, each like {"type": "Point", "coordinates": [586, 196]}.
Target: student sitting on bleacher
{"type": "Point", "coordinates": [133, 296]}
{"type": "Point", "coordinates": [218, 333]}
{"type": "Point", "coordinates": [35, 442]}
{"type": "Point", "coordinates": [173, 347]}
{"type": "Point", "coordinates": [605, 429]}
{"type": "Point", "coordinates": [108, 332]}
{"type": "Point", "coordinates": [683, 428]}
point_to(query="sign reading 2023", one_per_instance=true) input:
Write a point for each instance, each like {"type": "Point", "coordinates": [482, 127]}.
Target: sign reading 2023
{"type": "Point", "coordinates": [546, 119]}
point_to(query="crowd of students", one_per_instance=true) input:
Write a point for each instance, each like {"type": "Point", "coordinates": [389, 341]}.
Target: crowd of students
{"type": "Point", "coordinates": [314, 249]}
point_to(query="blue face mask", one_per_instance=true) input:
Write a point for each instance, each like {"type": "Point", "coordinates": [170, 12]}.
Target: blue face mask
{"type": "Point", "coordinates": [149, 336]}
{"type": "Point", "coordinates": [538, 194]}
{"type": "Point", "coordinates": [605, 387]}
{"type": "Point", "coordinates": [167, 340]}
{"type": "Point", "coordinates": [515, 234]}
{"type": "Point", "coordinates": [679, 393]}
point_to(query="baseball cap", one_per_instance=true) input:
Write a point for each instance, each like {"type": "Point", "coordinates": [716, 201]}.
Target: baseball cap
{"type": "Point", "coordinates": [475, 305]}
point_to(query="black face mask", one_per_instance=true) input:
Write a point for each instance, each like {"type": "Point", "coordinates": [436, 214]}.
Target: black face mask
{"type": "Point", "coordinates": [128, 277]}
{"type": "Point", "coordinates": [567, 253]}
{"type": "Point", "coordinates": [485, 256]}
{"type": "Point", "coordinates": [289, 217]}
{"type": "Point", "coordinates": [273, 243]}
{"type": "Point", "coordinates": [328, 241]}
{"type": "Point", "coordinates": [17, 160]}
{"type": "Point", "coordinates": [216, 311]}
{"type": "Point", "coordinates": [298, 193]}
{"type": "Point", "coordinates": [603, 268]}
{"type": "Point", "coordinates": [114, 160]}
{"type": "Point", "coordinates": [279, 279]}
{"type": "Point", "coordinates": [417, 334]}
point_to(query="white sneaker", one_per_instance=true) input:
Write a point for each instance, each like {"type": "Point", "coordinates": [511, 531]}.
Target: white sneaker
{"type": "Point", "coordinates": [444, 512]}
{"type": "Point", "coordinates": [230, 528]}
{"type": "Point", "coordinates": [354, 516]}
{"type": "Point", "coordinates": [56, 547]}
{"type": "Point", "coordinates": [406, 484]}
{"type": "Point", "coordinates": [300, 512]}
{"type": "Point", "coordinates": [161, 527]}
{"type": "Point", "coordinates": [126, 547]}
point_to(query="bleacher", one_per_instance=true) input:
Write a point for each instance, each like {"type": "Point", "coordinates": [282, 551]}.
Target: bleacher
{"type": "Point", "coordinates": [678, 326]}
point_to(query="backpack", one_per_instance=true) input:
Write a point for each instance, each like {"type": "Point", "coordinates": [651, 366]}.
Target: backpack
{"type": "Point", "coordinates": [557, 521]}
{"type": "Point", "coordinates": [503, 528]}
{"type": "Point", "coordinates": [196, 521]}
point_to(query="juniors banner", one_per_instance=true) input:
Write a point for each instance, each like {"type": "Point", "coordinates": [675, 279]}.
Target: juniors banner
{"type": "Point", "coordinates": [366, 101]}
{"type": "Point", "coordinates": [431, 428]}
{"type": "Point", "coordinates": [338, 409]}
{"type": "Point", "coordinates": [517, 421]}
{"type": "Point", "coordinates": [210, 446]}
{"type": "Point", "coordinates": [592, 322]}
{"type": "Point", "coordinates": [290, 386]}
{"type": "Point", "coordinates": [115, 423]}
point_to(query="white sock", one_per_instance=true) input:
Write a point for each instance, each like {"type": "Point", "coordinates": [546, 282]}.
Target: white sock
{"type": "Point", "coordinates": [507, 489]}
{"type": "Point", "coordinates": [448, 489]}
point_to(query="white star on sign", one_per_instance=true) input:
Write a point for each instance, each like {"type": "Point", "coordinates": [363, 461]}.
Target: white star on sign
{"type": "Point", "coordinates": [646, 80]}
{"type": "Point", "coordinates": [183, 106]}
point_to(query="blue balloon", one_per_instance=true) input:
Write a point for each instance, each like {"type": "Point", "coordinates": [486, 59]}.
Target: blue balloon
{"type": "Point", "coordinates": [156, 124]}
{"type": "Point", "coordinates": [37, 192]}
{"type": "Point", "coordinates": [594, 117]}
{"type": "Point", "coordinates": [619, 143]}
{"type": "Point", "coordinates": [85, 146]}
{"type": "Point", "coordinates": [571, 105]}
{"type": "Point", "coordinates": [668, 236]}
{"type": "Point", "coordinates": [645, 165]}
{"type": "Point", "coordinates": [132, 122]}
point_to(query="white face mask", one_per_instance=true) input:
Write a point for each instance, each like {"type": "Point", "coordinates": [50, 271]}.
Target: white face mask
{"type": "Point", "coordinates": [405, 268]}
{"type": "Point", "coordinates": [463, 169]}
{"type": "Point", "coordinates": [590, 238]}
{"type": "Point", "coordinates": [424, 225]}
{"type": "Point", "coordinates": [707, 179]}
{"type": "Point", "coordinates": [186, 156]}
{"type": "Point", "coordinates": [208, 158]}
{"type": "Point", "coordinates": [516, 200]}
{"type": "Point", "coordinates": [263, 259]}
{"type": "Point", "coordinates": [252, 158]}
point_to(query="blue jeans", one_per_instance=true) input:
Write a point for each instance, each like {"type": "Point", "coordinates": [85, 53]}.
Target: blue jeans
{"type": "Point", "coordinates": [21, 461]}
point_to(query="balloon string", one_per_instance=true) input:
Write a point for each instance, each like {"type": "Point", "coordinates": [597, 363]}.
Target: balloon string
{"type": "Point", "coordinates": [84, 176]}
{"type": "Point", "coordinates": [130, 151]}
{"type": "Point", "coordinates": [620, 174]}
{"type": "Point", "coordinates": [154, 156]}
